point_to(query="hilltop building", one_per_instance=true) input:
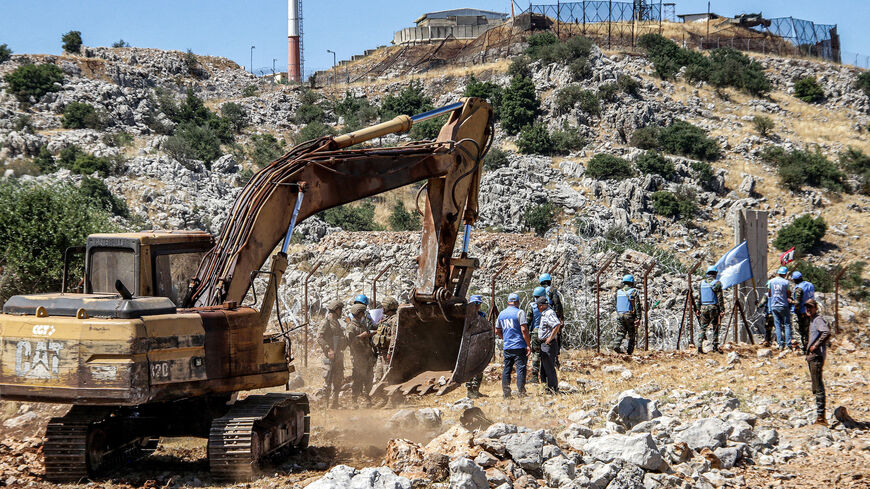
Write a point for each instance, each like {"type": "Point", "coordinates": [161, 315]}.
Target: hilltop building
{"type": "Point", "coordinates": [460, 24]}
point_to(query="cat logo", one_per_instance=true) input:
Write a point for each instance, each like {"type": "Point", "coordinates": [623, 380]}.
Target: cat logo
{"type": "Point", "coordinates": [43, 330]}
{"type": "Point", "coordinates": [39, 362]}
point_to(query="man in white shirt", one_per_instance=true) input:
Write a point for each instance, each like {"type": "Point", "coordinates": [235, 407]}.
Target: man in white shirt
{"type": "Point", "coordinates": [548, 331]}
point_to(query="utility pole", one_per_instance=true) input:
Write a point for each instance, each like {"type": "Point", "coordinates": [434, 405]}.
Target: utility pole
{"type": "Point", "coordinates": [708, 20]}
{"type": "Point", "coordinates": [334, 73]}
{"type": "Point", "coordinates": [273, 65]}
{"type": "Point", "coordinates": [252, 59]}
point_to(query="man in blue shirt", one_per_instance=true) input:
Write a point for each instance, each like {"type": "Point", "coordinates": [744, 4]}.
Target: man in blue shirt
{"type": "Point", "coordinates": [778, 290]}
{"type": "Point", "coordinates": [513, 329]}
{"type": "Point", "coordinates": [804, 290]}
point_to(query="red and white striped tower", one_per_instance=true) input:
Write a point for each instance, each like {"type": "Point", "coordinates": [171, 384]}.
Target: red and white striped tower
{"type": "Point", "coordinates": [294, 57]}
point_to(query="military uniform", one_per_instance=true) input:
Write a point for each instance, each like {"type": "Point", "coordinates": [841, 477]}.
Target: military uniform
{"type": "Point", "coordinates": [627, 306]}
{"type": "Point", "coordinates": [383, 338]}
{"type": "Point", "coordinates": [363, 357]}
{"type": "Point", "coordinates": [534, 316]}
{"type": "Point", "coordinates": [711, 300]}
{"type": "Point", "coordinates": [764, 305]}
{"type": "Point", "coordinates": [803, 291]}
{"type": "Point", "coordinates": [554, 299]}
{"type": "Point", "coordinates": [472, 386]}
{"type": "Point", "coordinates": [331, 338]}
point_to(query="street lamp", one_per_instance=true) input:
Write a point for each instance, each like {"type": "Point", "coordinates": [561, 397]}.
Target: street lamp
{"type": "Point", "coordinates": [334, 73]}
{"type": "Point", "coordinates": [252, 59]}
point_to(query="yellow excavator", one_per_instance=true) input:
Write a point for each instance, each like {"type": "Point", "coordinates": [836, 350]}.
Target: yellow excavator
{"type": "Point", "coordinates": [159, 340]}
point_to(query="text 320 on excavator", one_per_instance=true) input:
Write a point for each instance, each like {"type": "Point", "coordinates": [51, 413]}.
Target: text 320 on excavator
{"type": "Point", "coordinates": [159, 341]}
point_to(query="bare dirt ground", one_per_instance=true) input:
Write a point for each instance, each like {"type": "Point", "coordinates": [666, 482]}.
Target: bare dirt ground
{"type": "Point", "coordinates": [358, 437]}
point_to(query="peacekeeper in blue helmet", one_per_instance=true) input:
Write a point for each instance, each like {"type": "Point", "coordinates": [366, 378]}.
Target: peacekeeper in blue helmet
{"type": "Point", "coordinates": [711, 307]}
{"type": "Point", "coordinates": [534, 316]}
{"type": "Point", "coordinates": [554, 301]}
{"type": "Point", "coordinates": [778, 290]}
{"type": "Point", "coordinates": [472, 387]}
{"type": "Point", "coordinates": [367, 319]}
{"type": "Point", "coordinates": [804, 290]}
{"type": "Point", "coordinates": [628, 307]}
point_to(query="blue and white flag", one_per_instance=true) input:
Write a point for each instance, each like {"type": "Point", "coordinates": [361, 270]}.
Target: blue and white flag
{"type": "Point", "coordinates": [734, 267]}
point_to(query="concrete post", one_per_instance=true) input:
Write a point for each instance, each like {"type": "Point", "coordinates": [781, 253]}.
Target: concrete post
{"type": "Point", "coordinates": [751, 225]}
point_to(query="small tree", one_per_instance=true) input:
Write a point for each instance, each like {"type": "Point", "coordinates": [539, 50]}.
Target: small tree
{"type": "Point", "coordinates": [654, 162]}
{"type": "Point", "coordinates": [535, 139]}
{"type": "Point", "coordinates": [236, 115]}
{"type": "Point", "coordinates": [808, 90]}
{"type": "Point", "coordinates": [861, 83]}
{"type": "Point", "coordinates": [685, 139]}
{"type": "Point", "coordinates": [540, 218]}
{"type": "Point", "coordinates": [250, 91]}
{"type": "Point", "coordinates": [97, 191]}
{"type": "Point", "coordinates": [485, 90]}
{"type": "Point", "coordinates": [763, 125]}
{"type": "Point", "coordinates": [410, 101]}
{"type": "Point", "coordinates": [72, 41]}
{"type": "Point", "coordinates": [76, 160]}
{"type": "Point", "coordinates": [520, 105]}
{"type": "Point", "coordinates": [665, 203]}
{"type": "Point", "coordinates": [265, 149]}
{"type": "Point", "coordinates": [804, 233]}
{"type": "Point", "coordinates": [44, 160]}
{"type": "Point", "coordinates": [352, 218]}
{"type": "Point", "coordinates": [566, 140]}
{"type": "Point", "coordinates": [495, 159]}
{"type": "Point", "coordinates": [5, 53]}
{"type": "Point", "coordinates": [703, 173]}
{"type": "Point", "coordinates": [81, 115]}
{"type": "Point", "coordinates": [402, 220]}
{"type": "Point", "coordinates": [313, 131]}
{"type": "Point", "coordinates": [33, 81]}
{"type": "Point", "coordinates": [121, 44]}
{"type": "Point", "coordinates": [857, 163]}
{"type": "Point", "coordinates": [646, 137]}
{"type": "Point", "coordinates": [606, 167]}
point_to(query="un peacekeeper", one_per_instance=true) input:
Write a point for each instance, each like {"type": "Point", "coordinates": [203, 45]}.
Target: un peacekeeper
{"type": "Point", "coordinates": [534, 315]}
{"type": "Point", "coordinates": [710, 303]}
{"type": "Point", "coordinates": [384, 335]}
{"type": "Point", "coordinates": [359, 339]}
{"type": "Point", "coordinates": [333, 342]}
{"type": "Point", "coordinates": [554, 300]}
{"type": "Point", "coordinates": [472, 387]}
{"type": "Point", "coordinates": [362, 299]}
{"type": "Point", "coordinates": [804, 290]}
{"type": "Point", "coordinates": [627, 306]}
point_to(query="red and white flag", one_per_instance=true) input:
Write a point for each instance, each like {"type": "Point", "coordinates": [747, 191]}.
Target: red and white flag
{"type": "Point", "coordinates": [787, 257]}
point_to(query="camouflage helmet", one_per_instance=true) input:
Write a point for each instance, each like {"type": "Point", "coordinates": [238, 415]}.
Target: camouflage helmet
{"type": "Point", "coordinates": [335, 305]}
{"type": "Point", "coordinates": [357, 309]}
{"type": "Point", "coordinates": [390, 304]}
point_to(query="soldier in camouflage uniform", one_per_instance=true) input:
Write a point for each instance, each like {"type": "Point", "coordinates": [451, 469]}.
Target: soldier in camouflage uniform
{"type": "Point", "coordinates": [711, 304]}
{"type": "Point", "coordinates": [534, 316]}
{"type": "Point", "coordinates": [359, 339]}
{"type": "Point", "coordinates": [332, 341]}
{"type": "Point", "coordinates": [628, 307]}
{"type": "Point", "coordinates": [384, 336]}
{"type": "Point", "coordinates": [472, 387]}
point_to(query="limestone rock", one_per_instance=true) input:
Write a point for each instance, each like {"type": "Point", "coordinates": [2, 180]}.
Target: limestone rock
{"type": "Point", "coordinates": [639, 449]}
{"type": "Point", "coordinates": [465, 474]}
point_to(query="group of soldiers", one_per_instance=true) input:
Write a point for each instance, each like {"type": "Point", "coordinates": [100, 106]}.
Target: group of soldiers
{"type": "Point", "coordinates": [369, 347]}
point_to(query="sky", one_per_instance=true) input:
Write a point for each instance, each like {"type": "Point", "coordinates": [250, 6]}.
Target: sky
{"type": "Point", "coordinates": [229, 28]}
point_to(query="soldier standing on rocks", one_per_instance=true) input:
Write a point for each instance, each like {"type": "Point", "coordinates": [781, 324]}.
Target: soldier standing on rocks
{"type": "Point", "coordinates": [534, 315]}
{"type": "Point", "coordinates": [554, 299]}
{"type": "Point", "coordinates": [472, 387]}
{"type": "Point", "coordinates": [359, 339]}
{"type": "Point", "coordinates": [627, 306]}
{"type": "Point", "coordinates": [384, 336]}
{"type": "Point", "coordinates": [804, 290]}
{"type": "Point", "coordinates": [548, 332]}
{"type": "Point", "coordinates": [819, 335]}
{"type": "Point", "coordinates": [711, 304]}
{"type": "Point", "coordinates": [333, 342]}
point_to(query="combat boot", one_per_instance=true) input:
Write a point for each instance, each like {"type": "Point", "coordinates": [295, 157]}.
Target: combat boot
{"type": "Point", "coordinates": [821, 421]}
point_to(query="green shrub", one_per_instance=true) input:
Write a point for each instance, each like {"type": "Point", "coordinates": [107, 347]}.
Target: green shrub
{"type": "Point", "coordinates": [402, 220]}
{"type": "Point", "coordinates": [72, 41]}
{"type": "Point", "coordinates": [520, 67]}
{"type": "Point", "coordinates": [608, 91]}
{"type": "Point", "coordinates": [56, 216]}
{"type": "Point", "coordinates": [487, 91]}
{"type": "Point", "coordinates": [797, 168]}
{"type": "Point", "coordinates": [193, 142]}
{"type": "Point", "coordinates": [628, 85]}
{"type": "Point", "coordinates": [5, 53]}
{"type": "Point", "coordinates": [97, 191]}
{"type": "Point", "coordinates": [731, 68]}
{"type": "Point", "coordinates": [763, 125]}
{"type": "Point", "coordinates": [309, 109]}
{"type": "Point", "coordinates": [535, 139]}
{"type": "Point", "coordinates": [428, 129]}
{"type": "Point", "coordinates": [654, 162]}
{"type": "Point", "coordinates": [245, 175]}
{"type": "Point", "coordinates": [606, 167]}
{"type": "Point", "coordinates": [265, 148]}
{"type": "Point", "coordinates": [352, 218]}
{"type": "Point", "coordinates": [520, 105]}
{"type": "Point", "coordinates": [566, 140]}
{"type": "Point", "coordinates": [357, 112]}
{"type": "Point", "coordinates": [121, 44]}
{"type": "Point", "coordinates": [682, 204]}
{"type": "Point", "coordinates": [804, 233]}
{"type": "Point", "coordinates": [685, 139]}
{"type": "Point", "coordinates": [410, 101]}
{"type": "Point", "coordinates": [250, 91]}
{"type": "Point", "coordinates": [81, 115]}
{"type": "Point", "coordinates": [313, 131]}
{"type": "Point", "coordinates": [568, 97]}
{"type": "Point", "coordinates": [808, 90]}
{"type": "Point", "coordinates": [33, 81]}
{"type": "Point", "coordinates": [496, 158]}
{"type": "Point", "coordinates": [78, 161]}
{"type": "Point", "coordinates": [580, 69]}
{"type": "Point", "coordinates": [540, 40]}
{"type": "Point", "coordinates": [117, 139]}
{"type": "Point", "coordinates": [547, 48]}
{"type": "Point", "coordinates": [194, 68]}
{"type": "Point", "coordinates": [44, 160]}
{"type": "Point", "coordinates": [703, 173]}
{"type": "Point", "coordinates": [858, 164]}
{"type": "Point", "coordinates": [646, 137]}
{"type": "Point", "coordinates": [540, 218]}
{"type": "Point", "coordinates": [861, 83]}
{"type": "Point", "coordinates": [667, 57]}
{"type": "Point", "coordinates": [23, 123]}
{"type": "Point", "coordinates": [236, 115]}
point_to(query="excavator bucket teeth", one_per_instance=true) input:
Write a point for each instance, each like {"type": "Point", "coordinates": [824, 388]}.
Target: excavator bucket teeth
{"type": "Point", "coordinates": [437, 355]}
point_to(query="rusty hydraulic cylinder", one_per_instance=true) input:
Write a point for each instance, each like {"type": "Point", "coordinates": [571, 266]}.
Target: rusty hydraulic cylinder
{"type": "Point", "coordinates": [307, 312]}
{"type": "Point", "coordinates": [375, 284]}
{"type": "Point", "coordinates": [609, 258]}
{"type": "Point", "coordinates": [492, 314]}
{"type": "Point", "coordinates": [837, 298]}
{"type": "Point", "coordinates": [646, 273]}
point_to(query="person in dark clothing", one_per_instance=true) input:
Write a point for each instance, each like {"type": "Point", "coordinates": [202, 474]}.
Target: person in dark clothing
{"type": "Point", "coordinates": [819, 335]}
{"type": "Point", "coordinates": [548, 332]}
{"type": "Point", "coordinates": [764, 305]}
{"type": "Point", "coordinates": [554, 300]}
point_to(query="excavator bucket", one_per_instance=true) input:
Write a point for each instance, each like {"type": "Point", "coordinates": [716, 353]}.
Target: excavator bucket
{"type": "Point", "coordinates": [432, 354]}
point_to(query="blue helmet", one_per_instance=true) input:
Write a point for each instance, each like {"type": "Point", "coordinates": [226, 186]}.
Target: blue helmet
{"type": "Point", "coordinates": [539, 292]}
{"type": "Point", "coordinates": [628, 279]}
{"type": "Point", "coordinates": [513, 297]}
{"type": "Point", "coordinates": [475, 299]}
{"type": "Point", "coordinates": [545, 277]}
{"type": "Point", "coordinates": [712, 269]}
{"type": "Point", "coordinates": [782, 271]}
{"type": "Point", "coordinates": [797, 275]}
{"type": "Point", "coordinates": [361, 299]}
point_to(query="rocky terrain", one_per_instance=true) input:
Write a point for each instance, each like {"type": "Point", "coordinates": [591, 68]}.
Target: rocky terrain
{"type": "Point", "coordinates": [659, 419]}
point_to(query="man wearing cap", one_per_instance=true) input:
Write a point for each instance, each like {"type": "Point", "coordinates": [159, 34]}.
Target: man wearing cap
{"type": "Point", "coordinates": [384, 336]}
{"type": "Point", "coordinates": [819, 335]}
{"type": "Point", "coordinates": [554, 299]}
{"type": "Point", "coordinates": [359, 339]}
{"type": "Point", "coordinates": [778, 290]}
{"type": "Point", "coordinates": [534, 315]}
{"type": "Point", "coordinates": [548, 332]}
{"type": "Point", "coordinates": [804, 290]}
{"type": "Point", "coordinates": [512, 327]}
{"type": "Point", "coordinates": [627, 306]}
{"type": "Point", "coordinates": [711, 307]}
{"type": "Point", "coordinates": [332, 342]}
{"type": "Point", "coordinates": [472, 387]}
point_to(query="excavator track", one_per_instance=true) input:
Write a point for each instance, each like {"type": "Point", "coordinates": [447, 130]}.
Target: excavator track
{"type": "Point", "coordinates": [254, 429]}
{"type": "Point", "coordinates": [87, 440]}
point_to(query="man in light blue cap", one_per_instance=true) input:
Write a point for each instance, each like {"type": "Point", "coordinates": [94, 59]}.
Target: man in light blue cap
{"type": "Point", "coordinates": [780, 297]}
{"type": "Point", "coordinates": [472, 387]}
{"type": "Point", "coordinates": [513, 328]}
{"type": "Point", "coordinates": [710, 308]}
{"type": "Point", "coordinates": [627, 306]}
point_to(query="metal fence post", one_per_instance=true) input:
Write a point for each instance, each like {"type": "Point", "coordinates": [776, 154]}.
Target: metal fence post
{"type": "Point", "coordinates": [375, 283]}
{"type": "Point", "coordinates": [646, 305]}
{"type": "Point", "coordinates": [688, 308]}
{"type": "Point", "coordinates": [609, 258]}
{"type": "Point", "coordinates": [307, 312]}
{"type": "Point", "coordinates": [837, 298]}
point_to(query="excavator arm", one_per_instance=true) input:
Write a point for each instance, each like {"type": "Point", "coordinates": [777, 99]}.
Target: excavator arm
{"type": "Point", "coordinates": [324, 173]}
